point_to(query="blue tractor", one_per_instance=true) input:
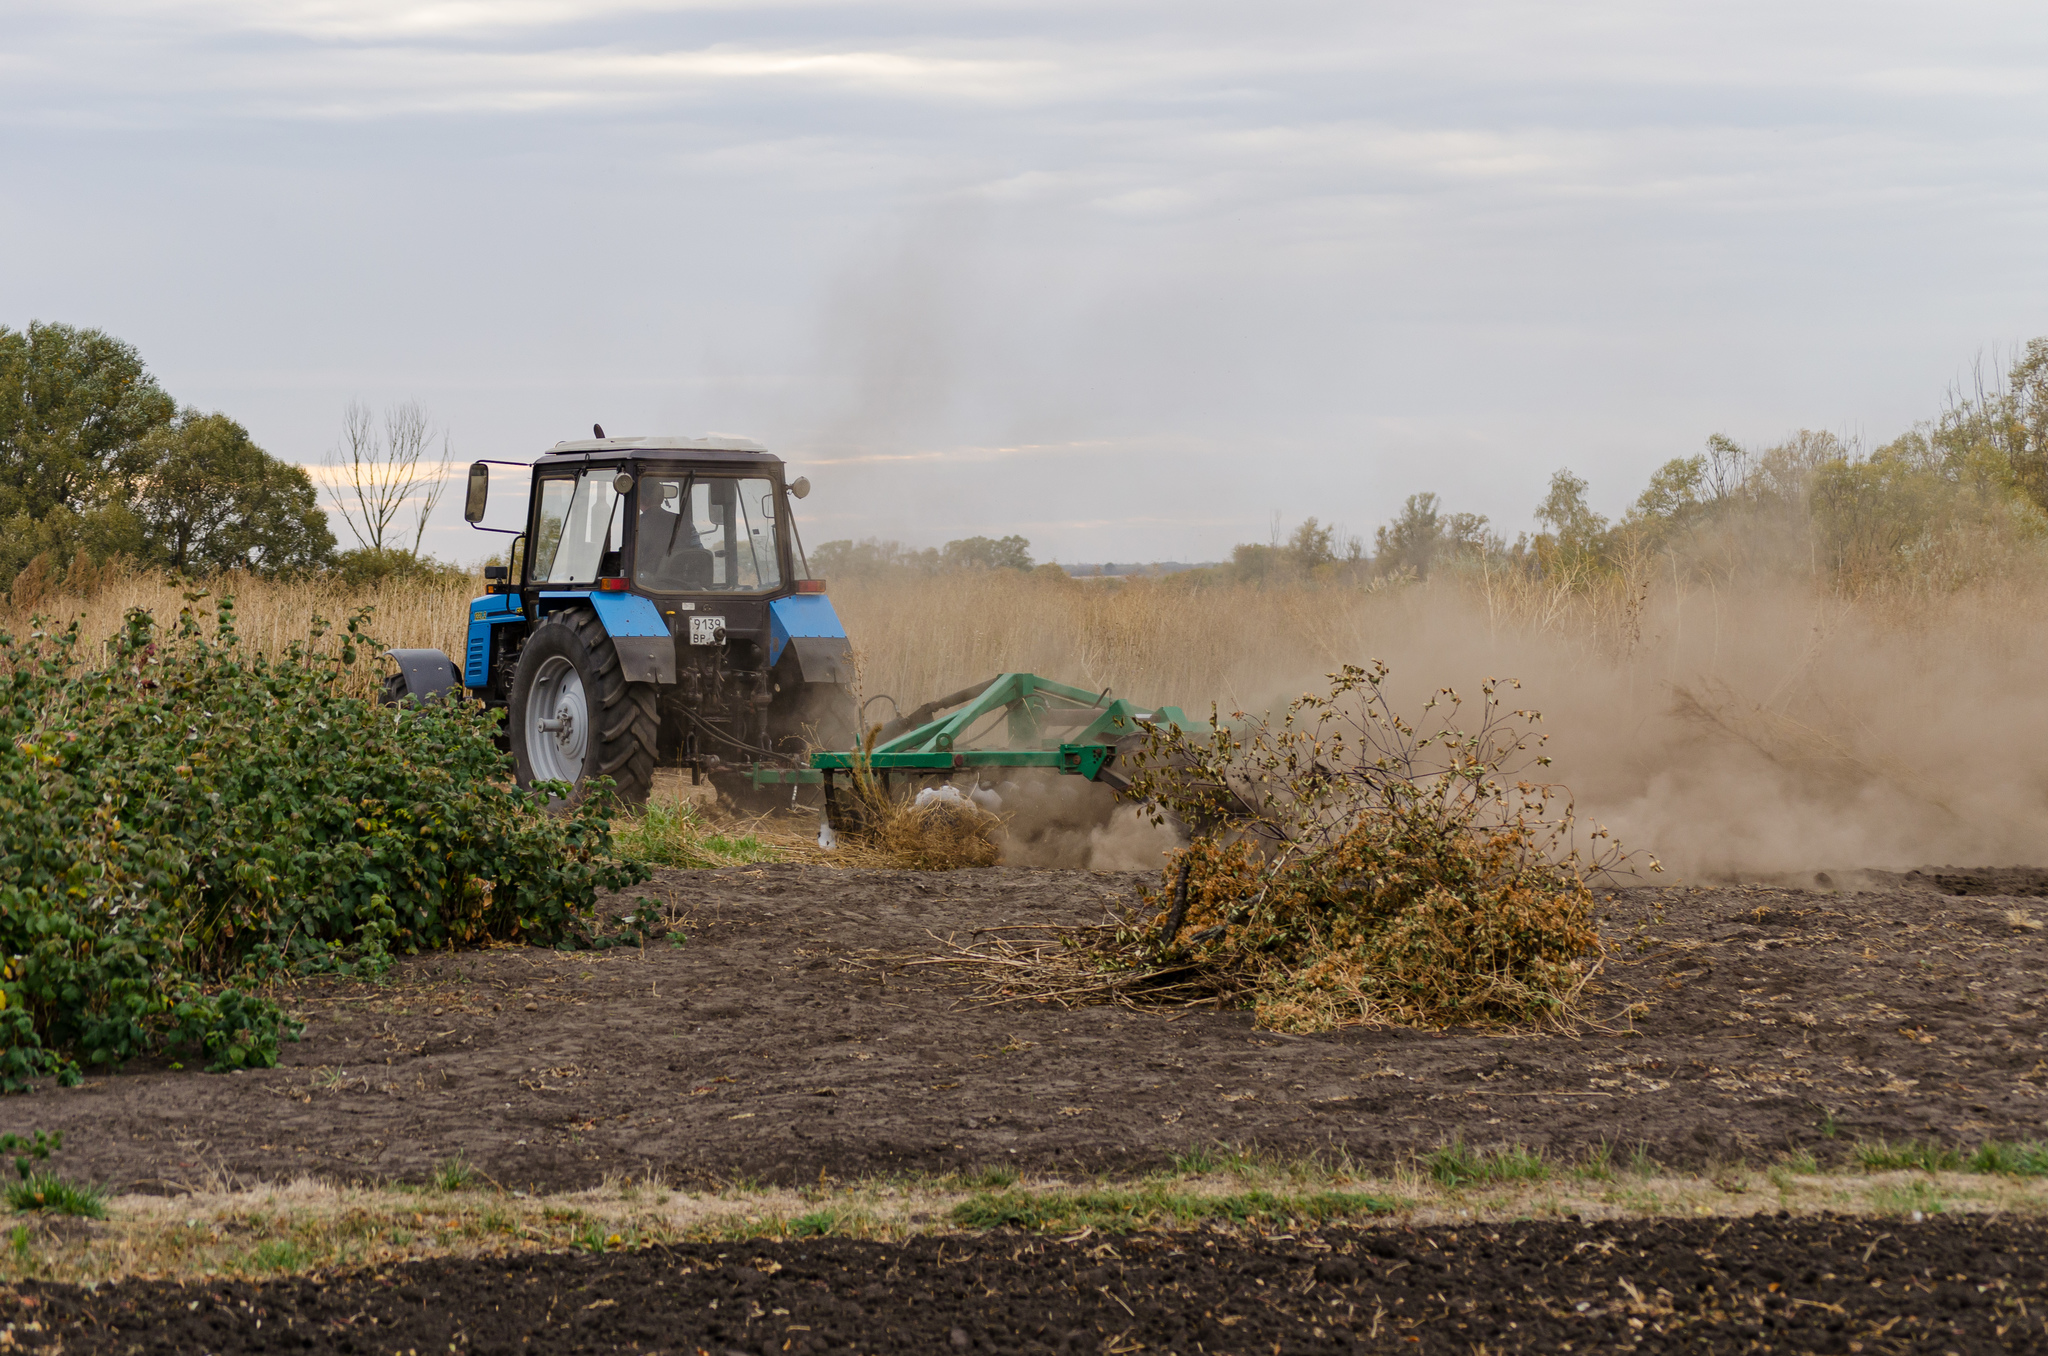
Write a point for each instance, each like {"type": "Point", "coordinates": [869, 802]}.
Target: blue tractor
{"type": "Point", "coordinates": [657, 610]}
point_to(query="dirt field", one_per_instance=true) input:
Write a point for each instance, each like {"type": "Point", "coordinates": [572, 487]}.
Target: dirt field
{"type": "Point", "coordinates": [1825, 1285]}
{"type": "Point", "coordinates": [788, 1039]}
{"type": "Point", "coordinates": [796, 1037]}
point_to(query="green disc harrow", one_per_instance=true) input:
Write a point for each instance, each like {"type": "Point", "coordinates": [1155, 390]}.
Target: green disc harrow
{"type": "Point", "coordinates": [1041, 724]}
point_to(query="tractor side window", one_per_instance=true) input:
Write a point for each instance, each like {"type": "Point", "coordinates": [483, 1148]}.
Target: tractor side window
{"type": "Point", "coordinates": [555, 495]}
{"type": "Point", "coordinates": [582, 531]}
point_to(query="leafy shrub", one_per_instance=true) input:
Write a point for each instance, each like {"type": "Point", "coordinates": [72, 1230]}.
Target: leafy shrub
{"type": "Point", "coordinates": [1348, 869]}
{"type": "Point", "coordinates": [182, 821]}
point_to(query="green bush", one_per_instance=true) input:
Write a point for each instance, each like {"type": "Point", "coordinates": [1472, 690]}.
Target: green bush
{"type": "Point", "coordinates": [182, 821]}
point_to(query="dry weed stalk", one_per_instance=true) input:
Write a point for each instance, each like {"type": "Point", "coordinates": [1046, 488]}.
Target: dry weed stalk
{"type": "Point", "coordinates": [1065, 967]}
{"type": "Point", "coordinates": [941, 834]}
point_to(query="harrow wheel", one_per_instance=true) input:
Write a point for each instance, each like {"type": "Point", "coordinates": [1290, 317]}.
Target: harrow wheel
{"type": "Point", "coordinates": [575, 718]}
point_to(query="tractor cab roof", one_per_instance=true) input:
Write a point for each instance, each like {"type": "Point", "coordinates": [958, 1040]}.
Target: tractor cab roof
{"type": "Point", "coordinates": [710, 447]}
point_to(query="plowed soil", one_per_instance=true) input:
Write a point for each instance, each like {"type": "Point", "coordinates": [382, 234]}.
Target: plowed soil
{"type": "Point", "coordinates": [792, 1035]}
{"type": "Point", "coordinates": [1815, 1285]}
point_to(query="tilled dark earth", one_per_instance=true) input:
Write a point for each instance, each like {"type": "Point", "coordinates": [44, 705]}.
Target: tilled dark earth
{"type": "Point", "coordinates": [1818, 1285]}
{"type": "Point", "coordinates": [788, 1037]}
{"type": "Point", "coordinates": [795, 1035]}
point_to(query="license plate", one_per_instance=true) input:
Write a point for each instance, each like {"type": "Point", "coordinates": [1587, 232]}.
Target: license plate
{"type": "Point", "coordinates": [704, 630]}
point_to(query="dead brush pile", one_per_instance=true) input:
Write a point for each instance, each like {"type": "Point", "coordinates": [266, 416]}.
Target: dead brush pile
{"type": "Point", "coordinates": [888, 827]}
{"type": "Point", "coordinates": [1347, 869]}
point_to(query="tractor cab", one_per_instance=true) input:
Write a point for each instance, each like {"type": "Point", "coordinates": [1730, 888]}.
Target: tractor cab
{"type": "Point", "coordinates": [656, 609]}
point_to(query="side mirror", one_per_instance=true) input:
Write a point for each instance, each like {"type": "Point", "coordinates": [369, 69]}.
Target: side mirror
{"type": "Point", "coordinates": [479, 493]}
{"type": "Point", "coordinates": [496, 572]}
{"type": "Point", "coordinates": [800, 487]}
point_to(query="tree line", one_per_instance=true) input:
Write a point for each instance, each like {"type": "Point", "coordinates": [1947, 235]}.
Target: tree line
{"type": "Point", "coordinates": [840, 559]}
{"type": "Point", "coordinates": [99, 463]}
{"type": "Point", "coordinates": [97, 460]}
{"type": "Point", "coordinates": [1960, 494]}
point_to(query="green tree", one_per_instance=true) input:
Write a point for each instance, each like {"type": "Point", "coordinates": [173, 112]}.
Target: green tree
{"type": "Point", "coordinates": [1424, 535]}
{"type": "Point", "coordinates": [987, 553]}
{"type": "Point", "coordinates": [75, 407]}
{"type": "Point", "coordinates": [1577, 534]}
{"type": "Point", "coordinates": [1410, 542]}
{"type": "Point", "coordinates": [1312, 544]}
{"type": "Point", "coordinates": [846, 558]}
{"type": "Point", "coordinates": [211, 499]}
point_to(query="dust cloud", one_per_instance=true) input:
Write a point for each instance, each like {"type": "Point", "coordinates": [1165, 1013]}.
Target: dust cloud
{"type": "Point", "coordinates": [1759, 731]}
{"type": "Point", "coordinates": [1054, 821]}
{"type": "Point", "coordinates": [1765, 733]}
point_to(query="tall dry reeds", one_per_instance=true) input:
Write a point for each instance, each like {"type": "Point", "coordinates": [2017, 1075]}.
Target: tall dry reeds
{"type": "Point", "coordinates": [1730, 725]}
{"type": "Point", "coordinates": [270, 614]}
{"type": "Point", "coordinates": [1728, 721]}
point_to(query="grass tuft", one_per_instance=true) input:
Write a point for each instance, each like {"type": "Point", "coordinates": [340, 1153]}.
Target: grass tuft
{"type": "Point", "coordinates": [454, 1174]}
{"type": "Point", "coordinates": [1916, 1197]}
{"type": "Point", "coordinates": [277, 1254]}
{"type": "Point", "coordinates": [56, 1196]}
{"type": "Point", "coordinates": [1456, 1164]}
{"type": "Point", "coordinates": [2021, 1158]}
{"type": "Point", "coordinates": [1879, 1155]}
{"type": "Point", "coordinates": [675, 833]}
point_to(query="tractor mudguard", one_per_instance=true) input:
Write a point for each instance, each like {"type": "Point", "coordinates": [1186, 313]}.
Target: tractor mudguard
{"type": "Point", "coordinates": [806, 624]}
{"type": "Point", "coordinates": [493, 609]}
{"type": "Point", "coordinates": [647, 652]}
{"type": "Point", "coordinates": [428, 673]}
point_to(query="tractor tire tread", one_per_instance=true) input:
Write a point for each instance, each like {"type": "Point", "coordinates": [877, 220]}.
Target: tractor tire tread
{"type": "Point", "coordinates": [625, 717]}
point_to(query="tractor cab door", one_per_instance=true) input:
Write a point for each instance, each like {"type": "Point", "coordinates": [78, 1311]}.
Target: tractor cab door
{"type": "Point", "coordinates": [578, 528]}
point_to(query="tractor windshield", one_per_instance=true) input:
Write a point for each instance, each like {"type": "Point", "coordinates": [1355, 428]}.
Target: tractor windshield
{"type": "Point", "coordinates": [706, 534]}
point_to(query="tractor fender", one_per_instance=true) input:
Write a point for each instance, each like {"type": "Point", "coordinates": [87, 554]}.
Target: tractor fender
{"type": "Point", "coordinates": [647, 651]}
{"type": "Point", "coordinates": [806, 625]}
{"type": "Point", "coordinates": [491, 610]}
{"type": "Point", "coordinates": [428, 673]}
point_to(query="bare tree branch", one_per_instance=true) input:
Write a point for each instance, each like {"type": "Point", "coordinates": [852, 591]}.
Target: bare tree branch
{"type": "Point", "coordinates": [379, 476]}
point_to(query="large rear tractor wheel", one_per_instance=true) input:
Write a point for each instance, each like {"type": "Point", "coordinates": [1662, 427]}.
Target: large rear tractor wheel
{"type": "Point", "coordinates": [575, 718]}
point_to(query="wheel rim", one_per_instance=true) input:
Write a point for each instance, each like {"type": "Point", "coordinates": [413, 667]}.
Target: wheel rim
{"type": "Point", "coordinates": [557, 722]}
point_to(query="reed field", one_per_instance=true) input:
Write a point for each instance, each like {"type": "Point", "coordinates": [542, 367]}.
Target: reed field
{"type": "Point", "coordinates": [270, 614]}
{"type": "Point", "coordinates": [1726, 708]}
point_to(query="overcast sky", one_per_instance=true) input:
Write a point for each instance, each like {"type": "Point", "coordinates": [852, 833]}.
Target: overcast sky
{"type": "Point", "coordinates": [1128, 279]}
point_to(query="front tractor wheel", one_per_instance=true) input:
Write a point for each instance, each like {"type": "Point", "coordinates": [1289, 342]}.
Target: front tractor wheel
{"type": "Point", "coordinates": [575, 718]}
